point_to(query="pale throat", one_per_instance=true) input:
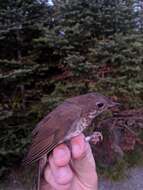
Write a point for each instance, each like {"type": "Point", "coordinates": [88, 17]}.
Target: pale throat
{"type": "Point", "coordinates": [81, 125]}
{"type": "Point", "coordinates": [93, 114]}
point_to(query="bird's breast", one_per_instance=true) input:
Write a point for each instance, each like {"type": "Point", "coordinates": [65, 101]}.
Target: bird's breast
{"type": "Point", "coordinates": [78, 128]}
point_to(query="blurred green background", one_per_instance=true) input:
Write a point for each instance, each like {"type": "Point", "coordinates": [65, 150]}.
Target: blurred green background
{"type": "Point", "coordinates": [51, 51]}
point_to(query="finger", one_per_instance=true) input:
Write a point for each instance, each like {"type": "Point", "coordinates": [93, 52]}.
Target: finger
{"type": "Point", "coordinates": [63, 175]}
{"type": "Point", "coordinates": [50, 182]}
{"type": "Point", "coordinates": [78, 145]}
{"type": "Point", "coordinates": [61, 155]}
{"type": "Point", "coordinates": [83, 162]}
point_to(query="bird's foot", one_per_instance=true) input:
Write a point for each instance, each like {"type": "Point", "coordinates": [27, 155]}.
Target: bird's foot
{"type": "Point", "coordinates": [94, 138]}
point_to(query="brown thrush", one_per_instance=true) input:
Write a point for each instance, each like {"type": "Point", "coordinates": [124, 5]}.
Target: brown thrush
{"type": "Point", "coordinates": [66, 121]}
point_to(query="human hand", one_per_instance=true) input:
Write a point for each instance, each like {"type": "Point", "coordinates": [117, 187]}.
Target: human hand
{"type": "Point", "coordinates": [71, 170]}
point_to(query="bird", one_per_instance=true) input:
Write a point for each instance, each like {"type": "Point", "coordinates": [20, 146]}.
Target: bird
{"type": "Point", "coordinates": [66, 121]}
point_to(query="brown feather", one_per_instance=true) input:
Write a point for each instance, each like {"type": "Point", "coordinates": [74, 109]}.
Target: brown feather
{"type": "Point", "coordinates": [64, 122]}
{"type": "Point", "coordinates": [49, 133]}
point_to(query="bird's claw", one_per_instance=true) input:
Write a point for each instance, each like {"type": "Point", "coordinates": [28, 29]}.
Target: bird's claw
{"type": "Point", "coordinates": [94, 138]}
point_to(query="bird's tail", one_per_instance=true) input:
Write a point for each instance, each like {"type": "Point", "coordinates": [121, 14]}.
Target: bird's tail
{"type": "Point", "coordinates": [38, 177]}
{"type": "Point", "coordinates": [41, 166]}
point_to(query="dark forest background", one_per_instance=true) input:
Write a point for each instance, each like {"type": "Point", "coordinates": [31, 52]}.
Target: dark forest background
{"type": "Point", "coordinates": [51, 52]}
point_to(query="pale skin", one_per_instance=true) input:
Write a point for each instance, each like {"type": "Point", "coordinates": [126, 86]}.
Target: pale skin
{"type": "Point", "coordinates": [71, 169]}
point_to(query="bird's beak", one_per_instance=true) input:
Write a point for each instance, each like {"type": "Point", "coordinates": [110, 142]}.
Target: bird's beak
{"type": "Point", "coordinates": [114, 104]}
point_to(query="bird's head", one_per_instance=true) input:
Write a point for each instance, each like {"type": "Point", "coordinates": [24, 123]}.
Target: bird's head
{"type": "Point", "coordinates": [98, 103]}
{"type": "Point", "coordinates": [93, 103]}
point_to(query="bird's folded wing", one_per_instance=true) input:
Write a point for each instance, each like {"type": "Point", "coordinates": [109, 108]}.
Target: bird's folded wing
{"type": "Point", "coordinates": [52, 130]}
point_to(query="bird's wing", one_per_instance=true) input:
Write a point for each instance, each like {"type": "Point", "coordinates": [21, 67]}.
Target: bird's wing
{"type": "Point", "coordinates": [52, 130]}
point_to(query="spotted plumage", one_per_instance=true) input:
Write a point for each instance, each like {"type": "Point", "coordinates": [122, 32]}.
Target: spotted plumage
{"type": "Point", "coordinates": [67, 120]}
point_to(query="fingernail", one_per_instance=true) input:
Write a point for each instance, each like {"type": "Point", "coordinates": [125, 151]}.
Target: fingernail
{"type": "Point", "coordinates": [59, 156]}
{"type": "Point", "coordinates": [60, 153]}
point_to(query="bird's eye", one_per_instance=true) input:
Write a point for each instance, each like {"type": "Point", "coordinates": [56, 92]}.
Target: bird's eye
{"type": "Point", "coordinates": [100, 105]}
